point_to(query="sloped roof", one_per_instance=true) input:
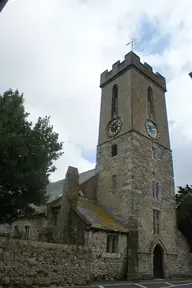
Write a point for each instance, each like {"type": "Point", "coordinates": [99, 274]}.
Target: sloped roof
{"type": "Point", "coordinates": [86, 175]}
{"type": "Point", "coordinates": [56, 202]}
{"type": "Point", "coordinates": [55, 189]}
{"type": "Point", "coordinates": [97, 217]}
{"type": "Point", "coordinates": [39, 209]}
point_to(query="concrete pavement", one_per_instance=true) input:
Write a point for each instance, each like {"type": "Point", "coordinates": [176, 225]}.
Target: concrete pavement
{"type": "Point", "coordinates": [160, 283]}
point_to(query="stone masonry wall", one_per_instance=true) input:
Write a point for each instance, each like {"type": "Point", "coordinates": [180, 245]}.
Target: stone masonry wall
{"type": "Point", "coordinates": [180, 264]}
{"type": "Point", "coordinates": [124, 106]}
{"type": "Point", "coordinates": [145, 170]}
{"type": "Point", "coordinates": [35, 264]}
{"type": "Point", "coordinates": [184, 257]}
{"type": "Point", "coordinates": [119, 200]}
{"type": "Point", "coordinates": [139, 98]}
{"type": "Point", "coordinates": [34, 224]}
{"type": "Point", "coordinates": [89, 188]}
{"type": "Point", "coordinates": [108, 266]}
{"type": "Point", "coordinates": [76, 229]}
{"type": "Point", "coordinates": [177, 264]}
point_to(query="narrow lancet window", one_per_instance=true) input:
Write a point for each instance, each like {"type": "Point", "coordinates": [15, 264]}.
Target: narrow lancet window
{"type": "Point", "coordinates": [150, 103]}
{"type": "Point", "coordinates": [114, 110]}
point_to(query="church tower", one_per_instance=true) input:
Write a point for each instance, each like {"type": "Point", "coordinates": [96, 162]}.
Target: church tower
{"type": "Point", "coordinates": [134, 164]}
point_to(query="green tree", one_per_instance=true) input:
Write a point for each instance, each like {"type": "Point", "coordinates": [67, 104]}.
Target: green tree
{"type": "Point", "coordinates": [27, 155]}
{"type": "Point", "coordinates": [184, 212]}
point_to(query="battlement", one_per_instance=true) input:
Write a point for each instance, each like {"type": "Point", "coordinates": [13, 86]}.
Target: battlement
{"type": "Point", "coordinates": [132, 60]}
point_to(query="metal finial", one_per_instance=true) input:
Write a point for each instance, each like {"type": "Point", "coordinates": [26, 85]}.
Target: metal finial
{"type": "Point", "coordinates": [131, 42]}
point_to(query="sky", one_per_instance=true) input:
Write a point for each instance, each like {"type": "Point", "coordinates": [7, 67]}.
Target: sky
{"type": "Point", "coordinates": [55, 51]}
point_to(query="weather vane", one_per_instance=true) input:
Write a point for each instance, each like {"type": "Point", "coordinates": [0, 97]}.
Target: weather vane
{"type": "Point", "coordinates": [131, 42]}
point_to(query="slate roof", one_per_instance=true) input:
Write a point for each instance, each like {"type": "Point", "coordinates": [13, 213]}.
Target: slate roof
{"type": "Point", "coordinates": [39, 209]}
{"type": "Point", "coordinates": [55, 189]}
{"type": "Point", "coordinates": [56, 202]}
{"type": "Point", "coordinates": [97, 216]}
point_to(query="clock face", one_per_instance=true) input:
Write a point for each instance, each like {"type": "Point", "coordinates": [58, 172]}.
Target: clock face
{"type": "Point", "coordinates": [152, 130]}
{"type": "Point", "coordinates": [114, 127]}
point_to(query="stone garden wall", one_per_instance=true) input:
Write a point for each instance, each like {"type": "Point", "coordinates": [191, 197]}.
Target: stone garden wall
{"type": "Point", "coordinates": [34, 224]}
{"type": "Point", "coordinates": [36, 264]}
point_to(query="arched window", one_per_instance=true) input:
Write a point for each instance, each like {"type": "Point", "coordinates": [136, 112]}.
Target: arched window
{"type": "Point", "coordinates": [150, 103]}
{"type": "Point", "coordinates": [114, 108]}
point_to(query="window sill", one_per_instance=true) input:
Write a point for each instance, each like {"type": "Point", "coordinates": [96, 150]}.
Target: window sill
{"type": "Point", "coordinates": [111, 255]}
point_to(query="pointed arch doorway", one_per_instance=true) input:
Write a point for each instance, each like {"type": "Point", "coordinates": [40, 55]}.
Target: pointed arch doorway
{"type": "Point", "coordinates": [158, 262]}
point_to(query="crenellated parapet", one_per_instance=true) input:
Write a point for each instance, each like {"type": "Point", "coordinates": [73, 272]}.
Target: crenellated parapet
{"type": "Point", "coordinates": [132, 60]}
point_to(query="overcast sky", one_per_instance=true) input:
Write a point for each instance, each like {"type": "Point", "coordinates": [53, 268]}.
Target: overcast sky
{"type": "Point", "coordinates": [54, 52]}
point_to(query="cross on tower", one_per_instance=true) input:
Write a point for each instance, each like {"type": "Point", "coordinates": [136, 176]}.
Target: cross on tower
{"type": "Point", "coordinates": [131, 42]}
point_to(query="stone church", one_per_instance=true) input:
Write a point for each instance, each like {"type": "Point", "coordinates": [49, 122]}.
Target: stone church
{"type": "Point", "coordinates": [124, 209]}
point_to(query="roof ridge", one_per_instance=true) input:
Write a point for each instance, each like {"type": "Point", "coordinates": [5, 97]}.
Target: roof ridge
{"type": "Point", "coordinates": [56, 181]}
{"type": "Point", "coordinates": [64, 178]}
{"type": "Point", "coordinates": [86, 171]}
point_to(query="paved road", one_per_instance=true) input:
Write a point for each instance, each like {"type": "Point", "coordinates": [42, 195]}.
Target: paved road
{"type": "Point", "coordinates": [145, 284]}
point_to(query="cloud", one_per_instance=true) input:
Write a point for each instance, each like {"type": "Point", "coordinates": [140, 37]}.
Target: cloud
{"type": "Point", "coordinates": [54, 52]}
{"type": "Point", "coordinates": [151, 40]}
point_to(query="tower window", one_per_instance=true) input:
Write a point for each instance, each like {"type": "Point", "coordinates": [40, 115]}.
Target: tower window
{"type": "Point", "coordinates": [114, 150]}
{"type": "Point", "coordinates": [156, 190]}
{"type": "Point", "coordinates": [150, 103]}
{"type": "Point", "coordinates": [154, 152]}
{"type": "Point", "coordinates": [156, 220]}
{"type": "Point", "coordinates": [114, 182]}
{"type": "Point", "coordinates": [114, 109]}
{"type": "Point", "coordinates": [112, 242]}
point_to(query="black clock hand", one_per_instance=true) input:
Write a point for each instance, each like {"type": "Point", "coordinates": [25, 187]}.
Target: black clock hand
{"type": "Point", "coordinates": [116, 125]}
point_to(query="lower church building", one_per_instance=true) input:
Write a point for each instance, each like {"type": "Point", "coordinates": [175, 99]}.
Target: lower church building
{"type": "Point", "coordinates": [124, 209]}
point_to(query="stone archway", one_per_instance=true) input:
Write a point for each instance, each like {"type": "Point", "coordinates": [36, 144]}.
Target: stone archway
{"type": "Point", "coordinates": [158, 261]}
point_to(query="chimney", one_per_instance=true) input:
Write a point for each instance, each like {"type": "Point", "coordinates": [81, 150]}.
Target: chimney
{"type": "Point", "coordinates": [71, 186]}
{"type": "Point", "coordinates": [69, 198]}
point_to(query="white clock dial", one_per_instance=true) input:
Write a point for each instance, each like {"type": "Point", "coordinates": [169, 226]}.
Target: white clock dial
{"type": "Point", "coordinates": [152, 129]}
